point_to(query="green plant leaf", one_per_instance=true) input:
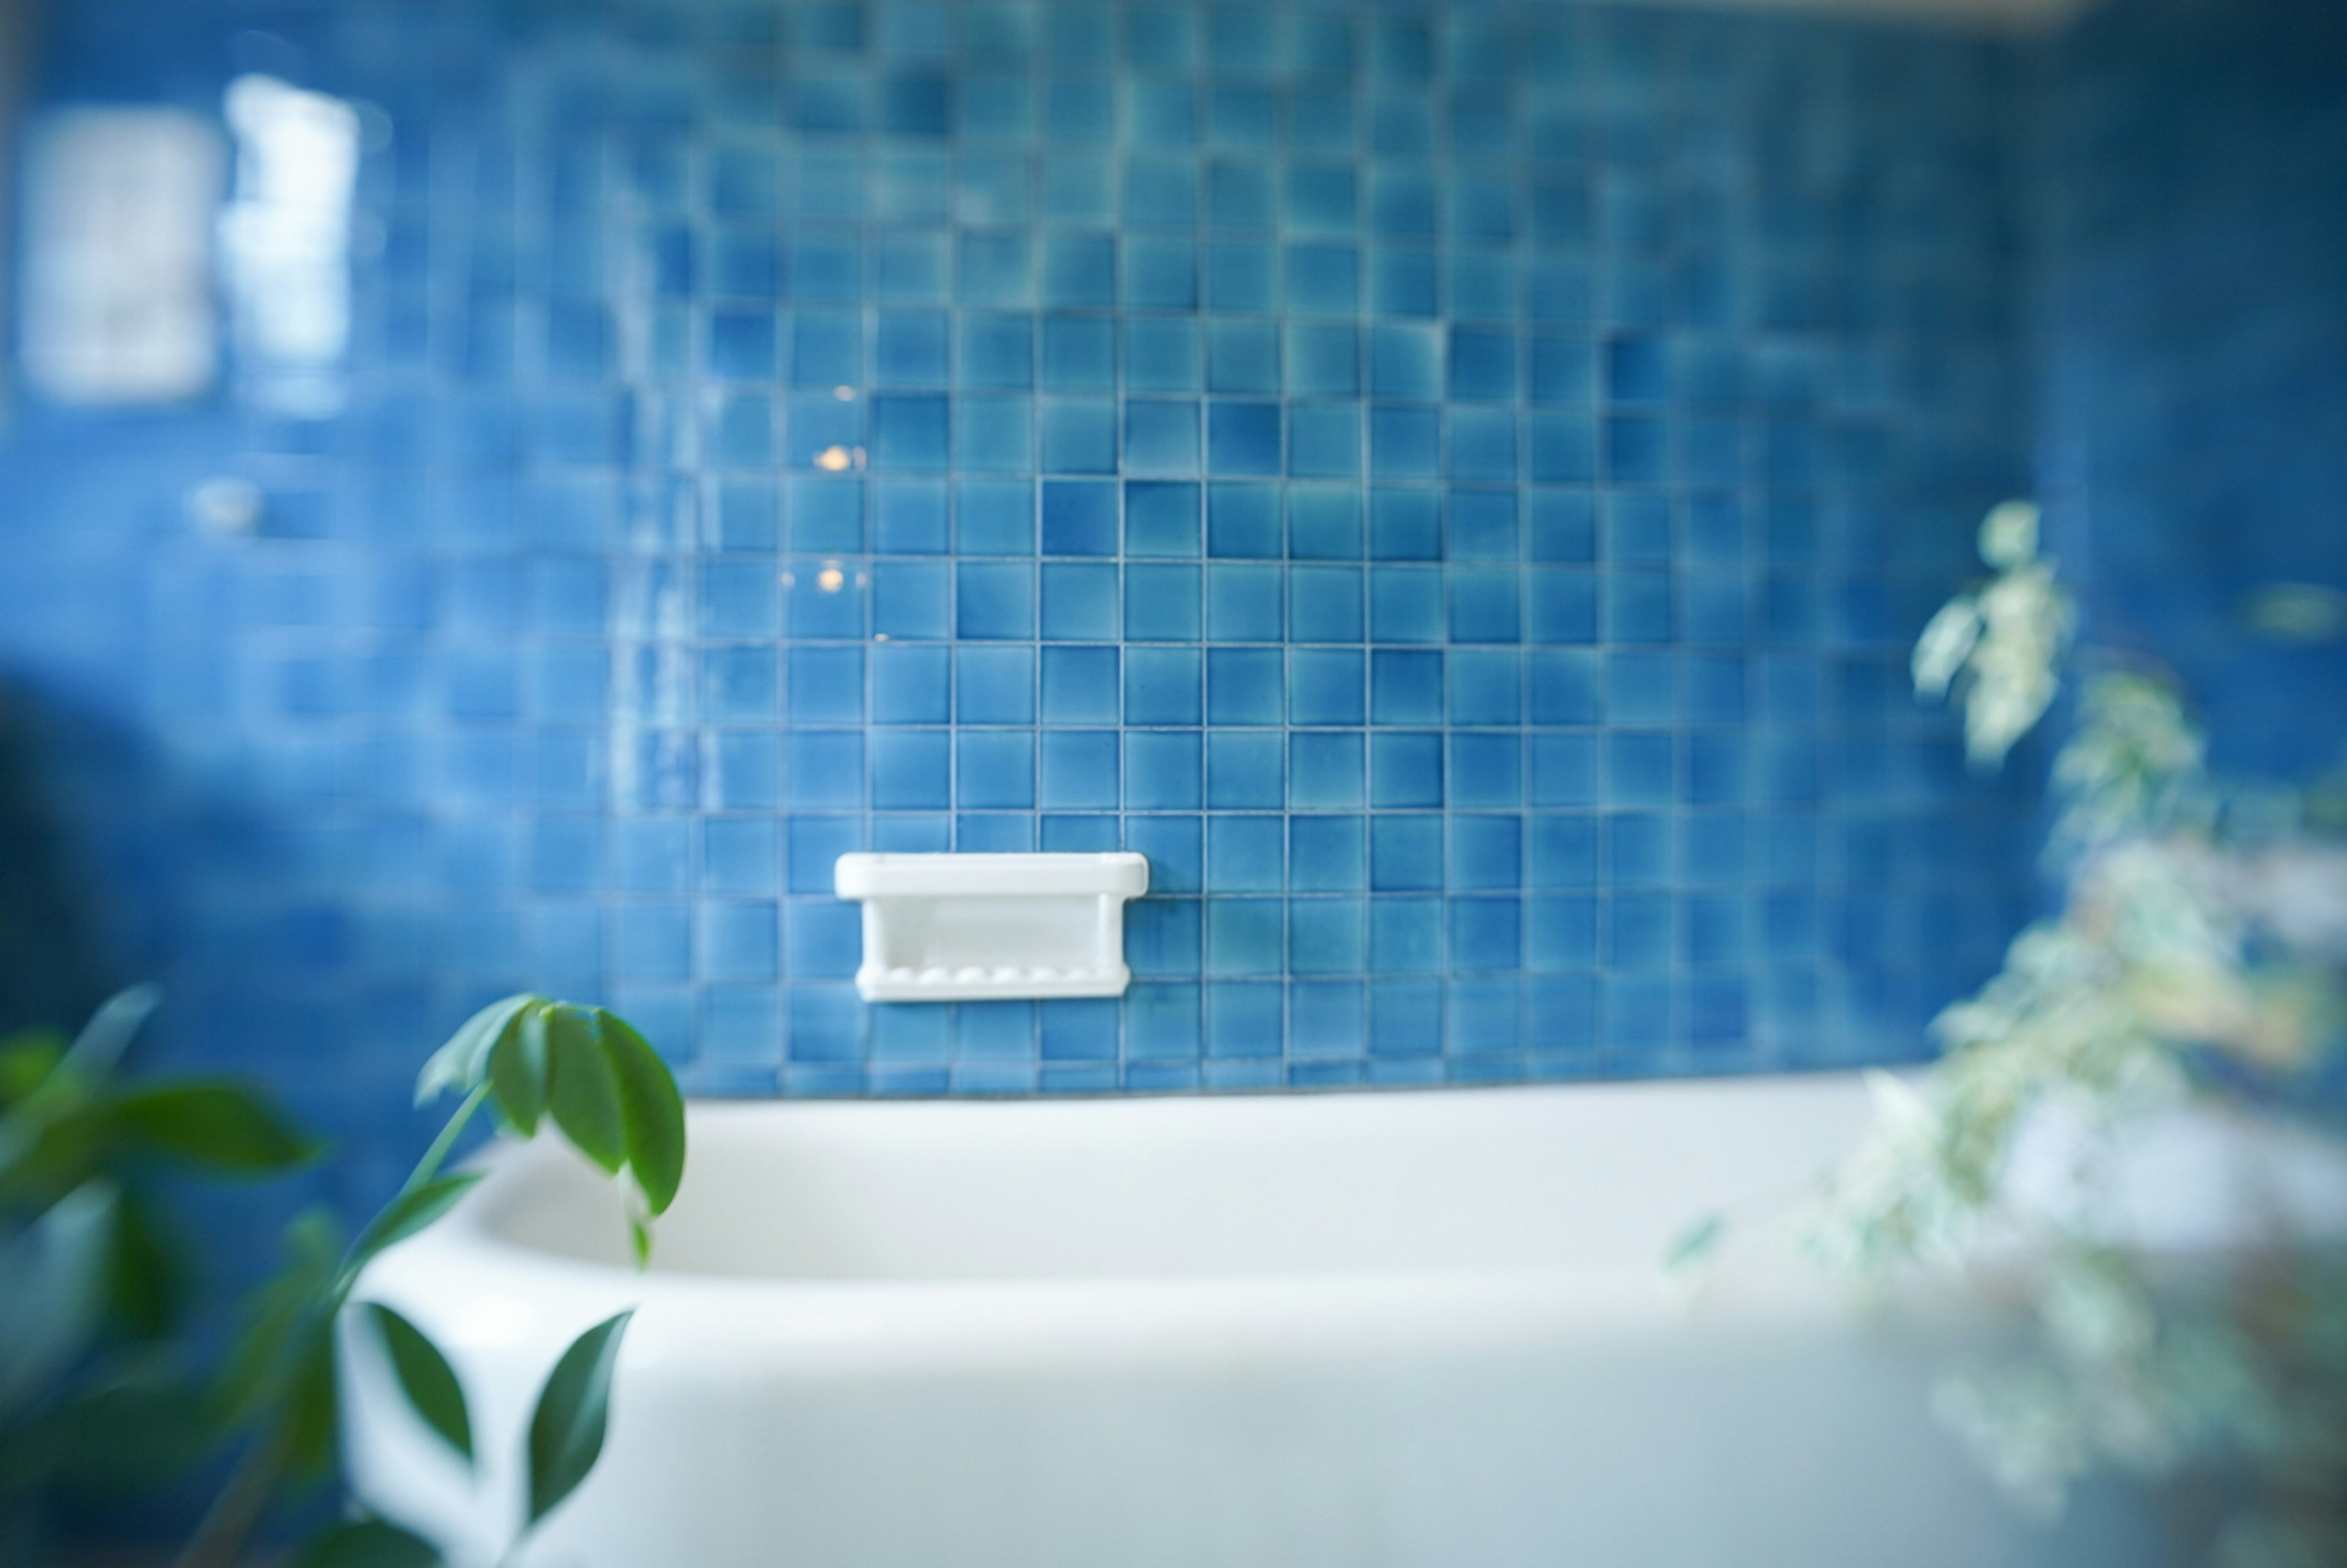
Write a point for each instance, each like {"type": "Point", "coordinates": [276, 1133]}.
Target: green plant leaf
{"type": "Point", "coordinates": [275, 1314]}
{"type": "Point", "coordinates": [369, 1543]}
{"type": "Point", "coordinates": [1695, 1246]}
{"type": "Point", "coordinates": [425, 1377]}
{"type": "Point", "coordinates": [217, 1125]}
{"type": "Point", "coordinates": [566, 1430]}
{"type": "Point", "coordinates": [653, 1111]}
{"type": "Point", "coordinates": [50, 1142]}
{"type": "Point", "coordinates": [47, 1153]}
{"type": "Point", "coordinates": [463, 1062]}
{"type": "Point", "coordinates": [53, 1275]}
{"type": "Point", "coordinates": [129, 1427]}
{"type": "Point", "coordinates": [26, 1059]}
{"type": "Point", "coordinates": [583, 1089]}
{"type": "Point", "coordinates": [518, 1070]}
{"type": "Point", "coordinates": [311, 1413]}
{"type": "Point", "coordinates": [98, 1048]}
{"type": "Point", "coordinates": [147, 1285]}
{"type": "Point", "coordinates": [410, 1211]}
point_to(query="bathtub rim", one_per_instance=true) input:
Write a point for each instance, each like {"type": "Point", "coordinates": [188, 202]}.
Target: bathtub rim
{"type": "Point", "coordinates": [515, 1292]}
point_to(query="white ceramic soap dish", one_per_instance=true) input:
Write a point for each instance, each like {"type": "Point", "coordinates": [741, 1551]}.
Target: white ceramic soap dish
{"type": "Point", "coordinates": [968, 927]}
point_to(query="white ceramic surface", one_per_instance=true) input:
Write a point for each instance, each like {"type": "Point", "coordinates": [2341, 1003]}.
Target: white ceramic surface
{"type": "Point", "coordinates": [1403, 1330]}
{"type": "Point", "coordinates": [960, 927]}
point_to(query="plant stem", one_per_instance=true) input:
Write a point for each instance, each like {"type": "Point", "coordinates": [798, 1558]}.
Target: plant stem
{"type": "Point", "coordinates": [426, 1169]}
{"type": "Point", "coordinates": [437, 1154]}
{"type": "Point", "coordinates": [229, 1523]}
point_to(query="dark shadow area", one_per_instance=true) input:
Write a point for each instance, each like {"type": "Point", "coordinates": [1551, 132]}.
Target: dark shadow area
{"type": "Point", "coordinates": [52, 969]}
{"type": "Point", "coordinates": [106, 857]}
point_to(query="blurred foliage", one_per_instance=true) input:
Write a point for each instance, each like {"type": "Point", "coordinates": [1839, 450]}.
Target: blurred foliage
{"type": "Point", "coordinates": [97, 1392]}
{"type": "Point", "coordinates": [533, 1062]}
{"type": "Point", "coordinates": [2000, 647]}
{"type": "Point", "coordinates": [2200, 954]}
{"type": "Point", "coordinates": [93, 1286]}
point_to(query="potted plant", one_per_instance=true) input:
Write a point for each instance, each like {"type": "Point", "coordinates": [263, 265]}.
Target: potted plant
{"type": "Point", "coordinates": [93, 1390]}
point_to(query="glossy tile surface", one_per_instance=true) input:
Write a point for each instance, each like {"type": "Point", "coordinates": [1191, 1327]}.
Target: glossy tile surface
{"type": "Point", "coordinates": [1453, 487]}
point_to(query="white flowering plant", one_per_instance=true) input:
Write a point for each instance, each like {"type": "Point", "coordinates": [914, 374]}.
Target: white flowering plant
{"type": "Point", "coordinates": [2003, 642]}
{"type": "Point", "coordinates": [2197, 958]}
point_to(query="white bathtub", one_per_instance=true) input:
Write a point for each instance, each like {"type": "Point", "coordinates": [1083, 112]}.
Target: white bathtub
{"type": "Point", "coordinates": [1345, 1331]}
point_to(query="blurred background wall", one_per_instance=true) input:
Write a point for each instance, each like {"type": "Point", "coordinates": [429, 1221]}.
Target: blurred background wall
{"type": "Point", "coordinates": [2194, 428]}
{"type": "Point", "coordinates": [1454, 486]}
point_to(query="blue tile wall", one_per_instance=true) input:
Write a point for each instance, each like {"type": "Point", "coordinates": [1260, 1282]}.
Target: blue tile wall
{"type": "Point", "coordinates": [1452, 486]}
{"type": "Point", "coordinates": [2195, 390]}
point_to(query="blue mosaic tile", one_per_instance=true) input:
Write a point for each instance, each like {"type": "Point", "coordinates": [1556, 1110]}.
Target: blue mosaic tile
{"type": "Point", "coordinates": [1261, 438]}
